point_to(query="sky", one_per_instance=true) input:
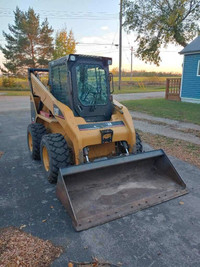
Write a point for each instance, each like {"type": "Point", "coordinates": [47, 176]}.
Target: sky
{"type": "Point", "coordinates": [95, 24]}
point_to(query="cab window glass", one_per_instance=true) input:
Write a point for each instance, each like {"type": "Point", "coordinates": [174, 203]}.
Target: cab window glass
{"type": "Point", "coordinates": [59, 79]}
{"type": "Point", "coordinates": [91, 84]}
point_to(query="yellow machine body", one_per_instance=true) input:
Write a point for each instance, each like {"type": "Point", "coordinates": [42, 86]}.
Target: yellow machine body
{"type": "Point", "coordinates": [106, 177]}
{"type": "Point", "coordinates": [68, 125]}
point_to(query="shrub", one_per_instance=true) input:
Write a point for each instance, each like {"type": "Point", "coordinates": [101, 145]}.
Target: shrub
{"type": "Point", "coordinates": [8, 82]}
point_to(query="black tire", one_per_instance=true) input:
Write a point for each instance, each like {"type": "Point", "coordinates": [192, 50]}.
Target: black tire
{"type": "Point", "coordinates": [35, 131]}
{"type": "Point", "coordinates": [139, 146]}
{"type": "Point", "coordinates": [58, 155]}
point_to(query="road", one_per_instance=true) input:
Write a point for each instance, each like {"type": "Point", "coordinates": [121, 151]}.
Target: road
{"type": "Point", "coordinates": [166, 127]}
{"type": "Point", "coordinates": [135, 96]}
{"type": "Point", "coordinates": [8, 103]}
{"type": "Point", "coordinates": [11, 103]}
{"type": "Point", "coordinates": [141, 121]}
{"type": "Point", "coordinates": [161, 236]}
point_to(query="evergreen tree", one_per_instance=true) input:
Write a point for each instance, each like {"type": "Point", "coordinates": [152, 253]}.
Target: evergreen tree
{"type": "Point", "coordinates": [29, 44]}
{"type": "Point", "coordinates": [65, 44]}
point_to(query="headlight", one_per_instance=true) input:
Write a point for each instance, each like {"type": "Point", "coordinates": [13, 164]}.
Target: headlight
{"type": "Point", "coordinates": [109, 61]}
{"type": "Point", "coordinates": [72, 58]}
{"type": "Point", "coordinates": [57, 112]}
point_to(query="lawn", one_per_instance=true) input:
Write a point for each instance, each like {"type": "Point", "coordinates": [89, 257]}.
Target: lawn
{"type": "Point", "coordinates": [187, 112]}
{"type": "Point", "coordinates": [124, 90]}
{"type": "Point", "coordinates": [129, 90]}
{"type": "Point", "coordinates": [140, 85]}
{"type": "Point", "coordinates": [128, 85]}
{"type": "Point", "coordinates": [142, 79]}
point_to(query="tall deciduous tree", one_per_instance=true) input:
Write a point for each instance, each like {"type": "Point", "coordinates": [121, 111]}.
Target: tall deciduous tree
{"type": "Point", "coordinates": [29, 43]}
{"type": "Point", "coordinates": [160, 22]}
{"type": "Point", "coordinates": [64, 44]}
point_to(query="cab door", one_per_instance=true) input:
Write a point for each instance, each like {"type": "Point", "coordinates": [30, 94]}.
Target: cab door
{"type": "Point", "coordinates": [91, 90]}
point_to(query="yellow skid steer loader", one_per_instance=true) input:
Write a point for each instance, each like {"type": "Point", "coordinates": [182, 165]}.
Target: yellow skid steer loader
{"type": "Point", "coordinates": [89, 147]}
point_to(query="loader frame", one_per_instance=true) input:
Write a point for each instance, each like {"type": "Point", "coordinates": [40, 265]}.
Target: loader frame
{"type": "Point", "coordinates": [105, 178]}
{"type": "Point", "coordinates": [59, 118]}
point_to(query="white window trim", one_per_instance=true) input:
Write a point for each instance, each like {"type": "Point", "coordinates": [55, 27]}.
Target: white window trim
{"type": "Point", "coordinates": [198, 69]}
{"type": "Point", "coordinates": [182, 75]}
{"type": "Point", "coordinates": [190, 100]}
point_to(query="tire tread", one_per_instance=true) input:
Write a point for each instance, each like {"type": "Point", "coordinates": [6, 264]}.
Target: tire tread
{"type": "Point", "coordinates": [36, 130]}
{"type": "Point", "coordinates": [139, 146]}
{"type": "Point", "coordinates": [59, 153]}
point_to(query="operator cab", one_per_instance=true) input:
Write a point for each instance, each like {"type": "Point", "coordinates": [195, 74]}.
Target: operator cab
{"type": "Point", "coordinates": [83, 83]}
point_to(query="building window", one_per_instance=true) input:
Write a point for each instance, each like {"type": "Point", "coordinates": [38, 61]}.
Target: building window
{"type": "Point", "coordinates": [198, 68]}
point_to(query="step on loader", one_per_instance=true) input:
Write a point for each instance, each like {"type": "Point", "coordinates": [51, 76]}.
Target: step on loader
{"type": "Point", "coordinates": [89, 147]}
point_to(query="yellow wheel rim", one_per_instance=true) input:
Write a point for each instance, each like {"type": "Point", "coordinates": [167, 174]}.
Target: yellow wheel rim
{"type": "Point", "coordinates": [45, 157]}
{"type": "Point", "coordinates": [30, 142]}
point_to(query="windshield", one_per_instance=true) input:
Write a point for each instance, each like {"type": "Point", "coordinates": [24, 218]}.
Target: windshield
{"type": "Point", "coordinates": [91, 84]}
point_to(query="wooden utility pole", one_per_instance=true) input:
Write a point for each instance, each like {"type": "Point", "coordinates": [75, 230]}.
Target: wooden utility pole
{"type": "Point", "coordinates": [120, 44]}
{"type": "Point", "coordinates": [131, 62]}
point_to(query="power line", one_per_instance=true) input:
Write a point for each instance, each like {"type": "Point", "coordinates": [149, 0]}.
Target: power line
{"type": "Point", "coordinates": [113, 42]}
{"type": "Point", "coordinates": [120, 44]}
{"type": "Point", "coordinates": [82, 43]}
{"type": "Point", "coordinates": [131, 62]}
{"type": "Point", "coordinates": [67, 15]}
{"type": "Point", "coordinates": [68, 18]}
{"type": "Point", "coordinates": [71, 12]}
{"type": "Point", "coordinates": [128, 40]}
{"type": "Point", "coordinates": [126, 55]}
{"type": "Point", "coordinates": [79, 43]}
{"type": "Point", "coordinates": [110, 44]}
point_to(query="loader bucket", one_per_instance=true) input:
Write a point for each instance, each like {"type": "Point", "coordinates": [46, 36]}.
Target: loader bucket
{"type": "Point", "coordinates": [102, 191]}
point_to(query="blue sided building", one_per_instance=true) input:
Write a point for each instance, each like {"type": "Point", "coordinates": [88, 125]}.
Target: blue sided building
{"type": "Point", "coordinates": [190, 85]}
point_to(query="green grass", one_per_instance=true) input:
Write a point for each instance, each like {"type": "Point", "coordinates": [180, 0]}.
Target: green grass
{"type": "Point", "coordinates": [142, 79]}
{"type": "Point", "coordinates": [129, 90]}
{"type": "Point", "coordinates": [187, 112]}
{"type": "Point", "coordinates": [128, 85]}
{"type": "Point", "coordinates": [15, 93]}
{"type": "Point", "coordinates": [123, 91]}
{"type": "Point", "coordinates": [13, 89]}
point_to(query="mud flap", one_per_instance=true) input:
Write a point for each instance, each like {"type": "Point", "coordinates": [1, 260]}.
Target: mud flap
{"type": "Point", "coordinates": [98, 192]}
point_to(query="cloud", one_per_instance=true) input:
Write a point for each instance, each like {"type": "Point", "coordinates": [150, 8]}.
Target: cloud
{"type": "Point", "coordinates": [104, 28]}
{"type": "Point", "coordinates": [104, 38]}
{"type": "Point", "coordinates": [103, 45]}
